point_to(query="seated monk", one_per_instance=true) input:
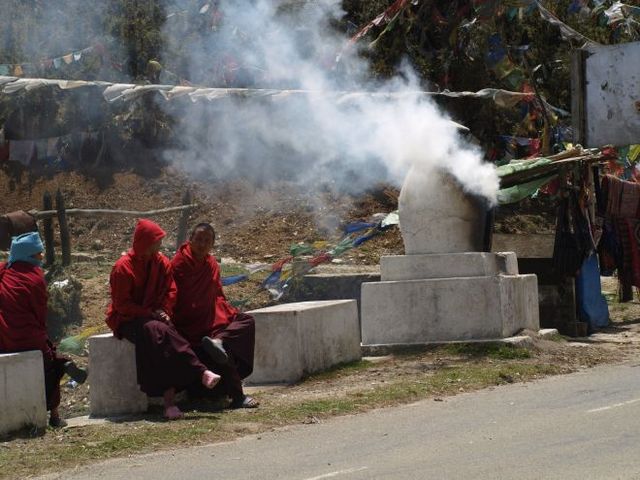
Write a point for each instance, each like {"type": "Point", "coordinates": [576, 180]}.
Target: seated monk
{"type": "Point", "coordinates": [23, 317]}
{"type": "Point", "coordinates": [222, 336]}
{"type": "Point", "coordinates": [142, 297]}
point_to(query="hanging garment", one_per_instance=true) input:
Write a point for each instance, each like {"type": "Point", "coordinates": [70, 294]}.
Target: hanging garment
{"type": "Point", "coordinates": [22, 151]}
{"type": "Point", "coordinates": [573, 241]}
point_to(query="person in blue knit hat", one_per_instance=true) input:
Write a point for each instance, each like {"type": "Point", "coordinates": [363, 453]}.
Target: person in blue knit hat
{"type": "Point", "coordinates": [26, 248]}
{"type": "Point", "coordinates": [23, 316]}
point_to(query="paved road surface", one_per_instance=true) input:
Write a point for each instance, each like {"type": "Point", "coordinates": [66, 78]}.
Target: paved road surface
{"type": "Point", "coordinates": [581, 426]}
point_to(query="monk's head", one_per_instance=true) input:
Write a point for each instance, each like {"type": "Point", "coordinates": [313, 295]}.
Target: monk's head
{"type": "Point", "coordinates": [202, 240]}
{"type": "Point", "coordinates": [27, 248]}
{"type": "Point", "coordinates": [147, 238]}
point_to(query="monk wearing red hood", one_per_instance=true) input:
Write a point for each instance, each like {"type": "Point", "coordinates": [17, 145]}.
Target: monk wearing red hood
{"type": "Point", "coordinates": [23, 317]}
{"type": "Point", "coordinates": [222, 336]}
{"type": "Point", "coordinates": [143, 294]}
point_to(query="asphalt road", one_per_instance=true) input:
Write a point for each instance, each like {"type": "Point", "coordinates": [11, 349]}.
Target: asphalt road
{"type": "Point", "coordinates": [580, 426]}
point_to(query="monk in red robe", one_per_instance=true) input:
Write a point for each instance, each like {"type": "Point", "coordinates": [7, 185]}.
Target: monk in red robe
{"type": "Point", "coordinates": [23, 317]}
{"type": "Point", "coordinates": [143, 294]}
{"type": "Point", "coordinates": [222, 336]}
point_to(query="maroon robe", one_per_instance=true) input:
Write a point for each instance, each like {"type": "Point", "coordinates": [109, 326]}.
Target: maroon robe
{"type": "Point", "coordinates": [23, 321]}
{"type": "Point", "coordinates": [202, 310]}
{"type": "Point", "coordinates": [140, 285]}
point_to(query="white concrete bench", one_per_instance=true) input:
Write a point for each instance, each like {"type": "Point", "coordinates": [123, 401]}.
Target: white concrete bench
{"type": "Point", "coordinates": [22, 394]}
{"type": "Point", "coordinates": [295, 339]}
{"type": "Point", "coordinates": [113, 380]}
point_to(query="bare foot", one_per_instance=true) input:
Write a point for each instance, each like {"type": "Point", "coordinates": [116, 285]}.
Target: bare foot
{"type": "Point", "coordinates": [173, 413]}
{"type": "Point", "coordinates": [210, 379]}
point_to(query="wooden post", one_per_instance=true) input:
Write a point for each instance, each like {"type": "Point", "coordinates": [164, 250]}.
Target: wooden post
{"type": "Point", "coordinates": [47, 227]}
{"type": "Point", "coordinates": [65, 240]}
{"type": "Point", "coordinates": [578, 97]}
{"type": "Point", "coordinates": [181, 236]}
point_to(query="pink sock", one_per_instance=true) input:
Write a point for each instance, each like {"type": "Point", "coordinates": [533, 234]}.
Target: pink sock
{"type": "Point", "coordinates": [210, 379]}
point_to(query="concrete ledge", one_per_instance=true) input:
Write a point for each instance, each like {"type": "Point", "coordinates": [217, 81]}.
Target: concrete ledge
{"type": "Point", "coordinates": [452, 309]}
{"type": "Point", "coordinates": [296, 339]}
{"type": "Point", "coordinates": [22, 394]}
{"type": "Point", "coordinates": [113, 378]}
{"type": "Point", "coordinates": [447, 265]}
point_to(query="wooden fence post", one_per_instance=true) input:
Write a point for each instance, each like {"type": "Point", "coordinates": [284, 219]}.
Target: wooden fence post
{"type": "Point", "coordinates": [65, 240]}
{"type": "Point", "coordinates": [184, 218]}
{"type": "Point", "coordinates": [47, 227]}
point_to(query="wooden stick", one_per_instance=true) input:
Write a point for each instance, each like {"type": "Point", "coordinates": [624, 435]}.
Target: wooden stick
{"type": "Point", "coordinates": [182, 223]}
{"type": "Point", "coordinates": [47, 231]}
{"type": "Point", "coordinates": [82, 212]}
{"type": "Point", "coordinates": [65, 238]}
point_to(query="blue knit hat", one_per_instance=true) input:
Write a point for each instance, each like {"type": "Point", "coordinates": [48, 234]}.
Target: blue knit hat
{"type": "Point", "coordinates": [24, 246]}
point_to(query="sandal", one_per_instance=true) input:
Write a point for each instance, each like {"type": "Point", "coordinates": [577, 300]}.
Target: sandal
{"type": "Point", "coordinates": [76, 373]}
{"type": "Point", "coordinates": [215, 350]}
{"type": "Point", "coordinates": [57, 422]}
{"type": "Point", "coordinates": [245, 402]}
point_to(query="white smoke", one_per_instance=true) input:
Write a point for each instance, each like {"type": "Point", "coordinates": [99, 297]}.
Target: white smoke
{"type": "Point", "coordinates": [351, 142]}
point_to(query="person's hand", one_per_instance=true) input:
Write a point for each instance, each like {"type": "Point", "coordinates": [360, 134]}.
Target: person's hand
{"type": "Point", "coordinates": [162, 316]}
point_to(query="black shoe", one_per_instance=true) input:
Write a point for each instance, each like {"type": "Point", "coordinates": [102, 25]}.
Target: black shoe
{"type": "Point", "coordinates": [215, 350]}
{"type": "Point", "coordinates": [57, 422]}
{"type": "Point", "coordinates": [76, 373]}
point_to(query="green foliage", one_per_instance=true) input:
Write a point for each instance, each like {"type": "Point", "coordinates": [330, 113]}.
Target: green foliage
{"type": "Point", "coordinates": [445, 42]}
{"type": "Point", "coordinates": [63, 309]}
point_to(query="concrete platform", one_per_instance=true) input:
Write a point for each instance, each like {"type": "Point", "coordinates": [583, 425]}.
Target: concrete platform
{"type": "Point", "coordinates": [469, 264]}
{"type": "Point", "coordinates": [22, 395]}
{"type": "Point", "coordinates": [113, 378]}
{"type": "Point", "coordinates": [448, 309]}
{"type": "Point", "coordinates": [295, 339]}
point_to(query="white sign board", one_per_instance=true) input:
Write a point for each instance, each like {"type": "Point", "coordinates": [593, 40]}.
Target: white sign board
{"type": "Point", "coordinates": [612, 95]}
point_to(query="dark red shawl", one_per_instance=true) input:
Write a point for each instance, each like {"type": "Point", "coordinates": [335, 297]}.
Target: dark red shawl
{"type": "Point", "coordinates": [140, 284]}
{"type": "Point", "coordinates": [201, 308]}
{"type": "Point", "coordinates": [23, 308]}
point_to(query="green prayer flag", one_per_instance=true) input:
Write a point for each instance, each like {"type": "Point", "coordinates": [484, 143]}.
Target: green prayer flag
{"type": "Point", "coordinates": [524, 190]}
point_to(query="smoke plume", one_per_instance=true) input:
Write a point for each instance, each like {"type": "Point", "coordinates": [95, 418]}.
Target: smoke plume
{"type": "Point", "coordinates": [350, 141]}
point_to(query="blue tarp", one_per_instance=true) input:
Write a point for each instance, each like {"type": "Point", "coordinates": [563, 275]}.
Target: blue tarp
{"type": "Point", "coordinates": [592, 306]}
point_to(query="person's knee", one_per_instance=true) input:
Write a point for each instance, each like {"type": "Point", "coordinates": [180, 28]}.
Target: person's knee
{"type": "Point", "coordinates": [250, 322]}
{"type": "Point", "coordinates": [155, 326]}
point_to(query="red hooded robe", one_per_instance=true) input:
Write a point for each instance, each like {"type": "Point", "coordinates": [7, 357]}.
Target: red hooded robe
{"type": "Point", "coordinates": [140, 285]}
{"type": "Point", "coordinates": [201, 307]}
{"type": "Point", "coordinates": [23, 308]}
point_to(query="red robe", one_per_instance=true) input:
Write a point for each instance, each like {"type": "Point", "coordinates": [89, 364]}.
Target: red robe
{"type": "Point", "coordinates": [23, 322]}
{"type": "Point", "coordinates": [23, 308]}
{"type": "Point", "coordinates": [201, 308]}
{"type": "Point", "coordinates": [140, 285]}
